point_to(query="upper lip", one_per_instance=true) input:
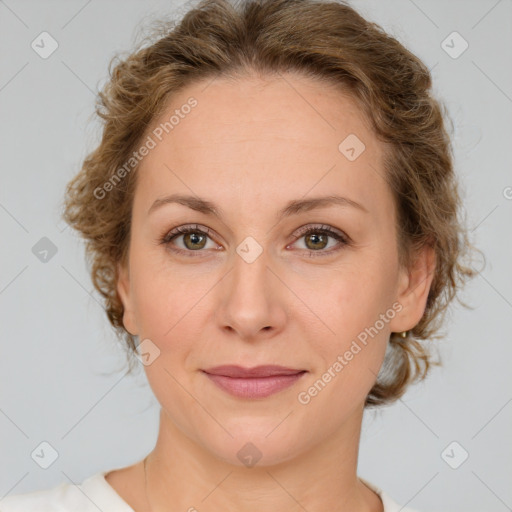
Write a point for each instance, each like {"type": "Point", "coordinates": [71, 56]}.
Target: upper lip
{"type": "Point", "coordinates": [257, 371]}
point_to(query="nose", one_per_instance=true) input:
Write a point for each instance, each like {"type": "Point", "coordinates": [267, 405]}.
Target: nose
{"type": "Point", "coordinates": [251, 300]}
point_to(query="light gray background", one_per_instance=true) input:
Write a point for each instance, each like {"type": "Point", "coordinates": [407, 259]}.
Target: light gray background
{"type": "Point", "coordinates": [60, 368]}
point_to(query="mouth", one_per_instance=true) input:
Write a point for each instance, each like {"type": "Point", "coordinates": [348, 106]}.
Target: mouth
{"type": "Point", "coordinates": [257, 382]}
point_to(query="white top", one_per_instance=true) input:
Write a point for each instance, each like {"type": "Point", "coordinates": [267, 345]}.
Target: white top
{"type": "Point", "coordinates": [95, 493]}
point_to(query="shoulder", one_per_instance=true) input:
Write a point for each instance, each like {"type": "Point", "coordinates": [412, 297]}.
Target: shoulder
{"type": "Point", "coordinates": [93, 494]}
{"type": "Point", "coordinates": [46, 500]}
{"type": "Point", "coordinates": [390, 505]}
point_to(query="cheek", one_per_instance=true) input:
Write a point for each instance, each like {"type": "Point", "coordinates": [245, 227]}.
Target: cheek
{"type": "Point", "coordinates": [350, 357]}
{"type": "Point", "coordinates": [356, 306]}
{"type": "Point", "coordinates": [167, 298]}
{"type": "Point", "coordinates": [354, 297]}
{"type": "Point", "coordinates": [153, 305]}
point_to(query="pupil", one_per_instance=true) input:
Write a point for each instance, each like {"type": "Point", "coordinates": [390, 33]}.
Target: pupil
{"type": "Point", "coordinates": [194, 238]}
{"type": "Point", "coordinates": [317, 239]}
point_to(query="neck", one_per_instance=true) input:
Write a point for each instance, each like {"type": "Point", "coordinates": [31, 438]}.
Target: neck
{"type": "Point", "coordinates": [182, 475]}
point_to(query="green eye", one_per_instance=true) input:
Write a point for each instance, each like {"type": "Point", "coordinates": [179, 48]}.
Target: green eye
{"type": "Point", "coordinates": [195, 239]}
{"type": "Point", "coordinates": [317, 239]}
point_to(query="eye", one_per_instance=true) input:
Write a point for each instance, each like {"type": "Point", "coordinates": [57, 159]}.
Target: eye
{"type": "Point", "coordinates": [316, 239]}
{"type": "Point", "coordinates": [194, 238]}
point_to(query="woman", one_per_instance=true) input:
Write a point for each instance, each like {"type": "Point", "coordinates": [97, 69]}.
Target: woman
{"type": "Point", "coordinates": [272, 220]}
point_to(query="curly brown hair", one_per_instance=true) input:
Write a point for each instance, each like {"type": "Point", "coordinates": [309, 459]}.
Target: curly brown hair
{"type": "Point", "coordinates": [326, 40]}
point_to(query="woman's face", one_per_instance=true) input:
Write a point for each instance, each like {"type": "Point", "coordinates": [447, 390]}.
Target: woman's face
{"type": "Point", "coordinates": [256, 289]}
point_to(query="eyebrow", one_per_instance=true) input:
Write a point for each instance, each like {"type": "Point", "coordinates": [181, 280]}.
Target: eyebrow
{"type": "Point", "coordinates": [293, 207]}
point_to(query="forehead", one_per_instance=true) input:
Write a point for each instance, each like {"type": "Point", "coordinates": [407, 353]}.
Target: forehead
{"type": "Point", "coordinates": [289, 133]}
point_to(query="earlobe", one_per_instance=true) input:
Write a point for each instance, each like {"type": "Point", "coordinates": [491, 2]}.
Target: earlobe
{"type": "Point", "coordinates": [414, 288]}
{"type": "Point", "coordinates": [124, 292]}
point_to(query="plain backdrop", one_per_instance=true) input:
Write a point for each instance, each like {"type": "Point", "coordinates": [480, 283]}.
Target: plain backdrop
{"type": "Point", "coordinates": [61, 369]}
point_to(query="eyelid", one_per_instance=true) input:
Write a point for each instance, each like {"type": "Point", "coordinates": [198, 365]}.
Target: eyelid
{"type": "Point", "coordinates": [321, 227]}
{"type": "Point", "coordinates": [342, 238]}
{"type": "Point", "coordinates": [187, 228]}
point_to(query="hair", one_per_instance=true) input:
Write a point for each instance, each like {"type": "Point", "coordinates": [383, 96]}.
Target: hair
{"type": "Point", "coordinates": [330, 42]}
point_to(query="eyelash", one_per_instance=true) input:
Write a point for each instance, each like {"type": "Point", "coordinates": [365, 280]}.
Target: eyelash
{"type": "Point", "coordinates": [320, 229]}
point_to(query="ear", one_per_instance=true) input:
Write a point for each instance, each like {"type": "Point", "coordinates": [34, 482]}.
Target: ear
{"type": "Point", "coordinates": [124, 292]}
{"type": "Point", "coordinates": [413, 289]}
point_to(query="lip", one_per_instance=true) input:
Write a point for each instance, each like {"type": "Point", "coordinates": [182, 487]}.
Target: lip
{"type": "Point", "coordinates": [234, 371]}
{"type": "Point", "coordinates": [256, 382]}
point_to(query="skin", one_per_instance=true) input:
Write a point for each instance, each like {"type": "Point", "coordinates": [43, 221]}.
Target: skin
{"type": "Point", "coordinates": [250, 146]}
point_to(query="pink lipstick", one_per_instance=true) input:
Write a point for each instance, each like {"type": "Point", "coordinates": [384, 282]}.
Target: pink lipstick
{"type": "Point", "coordinates": [257, 382]}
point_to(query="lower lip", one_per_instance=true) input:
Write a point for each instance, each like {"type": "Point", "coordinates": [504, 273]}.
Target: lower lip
{"type": "Point", "coordinates": [256, 387]}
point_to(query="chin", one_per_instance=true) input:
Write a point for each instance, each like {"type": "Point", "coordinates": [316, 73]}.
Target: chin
{"type": "Point", "coordinates": [256, 452]}
{"type": "Point", "coordinates": [257, 442]}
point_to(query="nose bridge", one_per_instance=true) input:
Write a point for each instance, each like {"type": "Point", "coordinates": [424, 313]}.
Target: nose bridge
{"type": "Point", "coordinates": [250, 273]}
{"type": "Point", "coordinates": [250, 299]}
